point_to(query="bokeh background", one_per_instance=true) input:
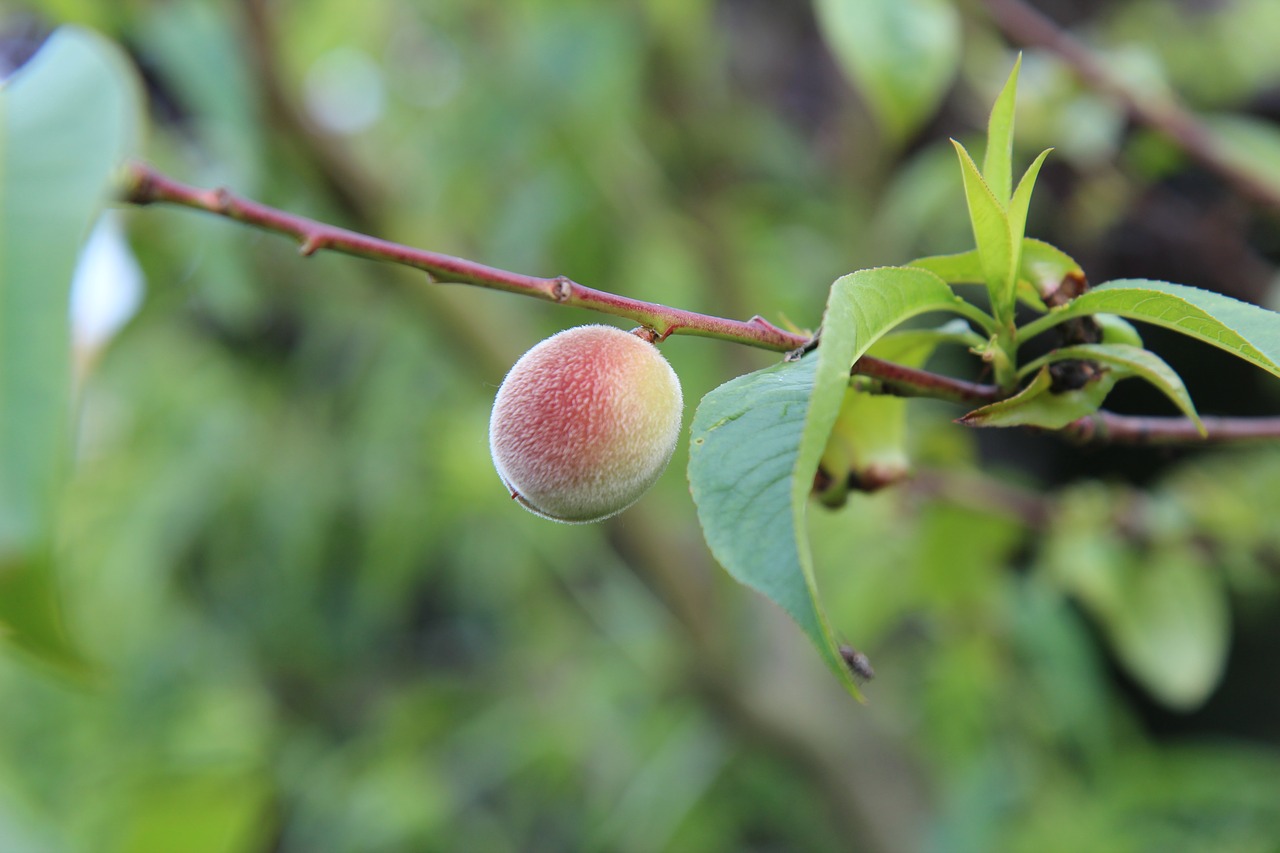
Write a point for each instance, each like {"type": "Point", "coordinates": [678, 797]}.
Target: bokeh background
{"type": "Point", "coordinates": [320, 624]}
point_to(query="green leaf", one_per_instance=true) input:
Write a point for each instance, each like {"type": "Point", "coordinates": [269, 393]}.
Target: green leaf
{"type": "Point", "coordinates": [1037, 404]}
{"type": "Point", "coordinates": [1017, 216]}
{"type": "Point", "coordinates": [1127, 361]}
{"type": "Point", "coordinates": [1117, 330]}
{"type": "Point", "coordinates": [913, 347]}
{"type": "Point", "coordinates": [1042, 271]}
{"type": "Point", "coordinates": [1163, 610]}
{"type": "Point", "coordinates": [901, 56]}
{"type": "Point", "coordinates": [991, 234]}
{"type": "Point", "coordinates": [1172, 627]}
{"type": "Point", "coordinates": [868, 441]}
{"type": "Point", "coordinates": [867, 445]}
{"type": "Point", "coordinates": [960, 268]}
{"type": "Point", "coordinates": [997, 161]}
{"type": "Point", "coordinates": [756, 442]}
{"type": "Point", "coordinates": [1244, 330]}
{"type": "Point", "coordinates": [862, 307]}
{"type": "Point", "coordinates": [744, 446]}
{"type": "Point", "coordinates": [66, 120]}
{"type": "Point", "coordinates": [214, 810]}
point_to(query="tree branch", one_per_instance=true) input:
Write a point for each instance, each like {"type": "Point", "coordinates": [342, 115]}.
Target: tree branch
{"type": "Point", "coordinates": [1109, 427]}
{"type": "Point", "coordinates": [1029, 27]}
{"type": "Point", "coordinates": [144, 185]}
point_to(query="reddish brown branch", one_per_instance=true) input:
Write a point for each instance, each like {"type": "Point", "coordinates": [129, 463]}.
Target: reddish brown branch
{"type": "Point", "coordinates": [145, 185]}
{"type": "Point", "coordinates": [910, 382]}
{"type": "Point", "coordinates": [1027, 26]}
{"type": "Point", "coordinates": [1104, 426]}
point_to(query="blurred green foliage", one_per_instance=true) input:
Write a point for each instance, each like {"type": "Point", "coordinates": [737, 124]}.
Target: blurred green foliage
{"type": "Point", "coordinates": [319, 624]}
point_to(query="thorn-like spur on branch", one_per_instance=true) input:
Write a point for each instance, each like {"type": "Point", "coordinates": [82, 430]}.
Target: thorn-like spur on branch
{"type": "Point", "coordinates": [144, 185]}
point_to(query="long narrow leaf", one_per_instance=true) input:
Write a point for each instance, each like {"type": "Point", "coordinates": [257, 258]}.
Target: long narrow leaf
{"type": "Point", "coordinates": [1018, 207]}
{"type": "Point", "coordinates": [997, 160]}
{"type": "Point", "coordinates": [1131, 361]}
{"type": "Point", "coordinates": [1244, 330]}
{"type": "Point", "coordinates": [990, 233]}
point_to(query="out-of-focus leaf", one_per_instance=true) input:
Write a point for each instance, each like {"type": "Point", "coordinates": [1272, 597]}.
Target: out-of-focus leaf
{"type": "Point", "coordinates": [1130, 361]}
{"type": "Point", "coordinates": [215, 811]}
{"type": "Point", "coordinates": [868, 441]}
{"type": "Point", "coordinates": [1244, 330]}
{"type": "Point", "coordinates": [1172, 627]}
{"type": "Point", "coordinates": [1037, 404]}
{"type": "Point", "coordinates": [757, 440]}
{"type": "Point", "coordinates": [1164, 612]}
{"type": "Point", "coordinates": [1165, 616]}
{"type": "Point", "coordinates": [867, 446]}
{"type": "Point", "coordinates": [1252, 144]}
{"type": "Point", "coordinates": [901, 56]}
{"type": "Point", "coordinates": [916, 213]}
{"type": "Point", "coordinates": [66, 121]}
{"type": "Point", "coordinates": [1065, 666]}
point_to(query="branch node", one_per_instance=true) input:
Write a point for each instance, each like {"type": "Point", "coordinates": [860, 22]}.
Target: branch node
{"type": "Point", "coordinates": [802, 350]}
{"type": "Point", "coordinates": [139, 185]}
{"type": "Point", "coordinates": [561, 288]}
{"type": "Point", "coordinates": [221, 200]}
{"type": "Point", "coordinates": [757, 320]}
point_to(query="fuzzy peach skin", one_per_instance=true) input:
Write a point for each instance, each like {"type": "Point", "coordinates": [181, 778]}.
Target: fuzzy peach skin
{"type": "Point", "coordinates": [584, 423]}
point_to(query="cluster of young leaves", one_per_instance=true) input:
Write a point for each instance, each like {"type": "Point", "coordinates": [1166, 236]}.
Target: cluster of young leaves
{"type": "Point", "coordinates": [758, 440]}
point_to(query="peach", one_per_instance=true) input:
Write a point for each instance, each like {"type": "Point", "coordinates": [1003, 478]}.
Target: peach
{"type": "Point", "coordinates": [584, 423]}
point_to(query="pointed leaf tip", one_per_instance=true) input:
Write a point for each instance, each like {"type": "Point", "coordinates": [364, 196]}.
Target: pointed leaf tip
{"type": "Point", "coordinates": [997, 160]}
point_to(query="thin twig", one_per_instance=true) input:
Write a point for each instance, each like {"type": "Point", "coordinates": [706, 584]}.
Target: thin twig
{"type": "Point", "coordinates": [1109, 427]}
{"type": "Point", "coordinates": [1027, 26]}
{"type": "Point", "coordinates": [903, 381]}
{"type": "Point", "coordinates": [144, 185]}
{"type": "Point", "coordinates": [351, 186]}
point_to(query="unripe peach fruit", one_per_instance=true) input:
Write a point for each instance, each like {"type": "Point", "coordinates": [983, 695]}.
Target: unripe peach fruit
{"type": "Point", "coordinates": [584, 423]}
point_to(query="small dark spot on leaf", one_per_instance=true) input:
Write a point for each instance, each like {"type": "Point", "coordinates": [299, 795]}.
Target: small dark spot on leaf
{"type": "Point", "coordinates": [857, 662]}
